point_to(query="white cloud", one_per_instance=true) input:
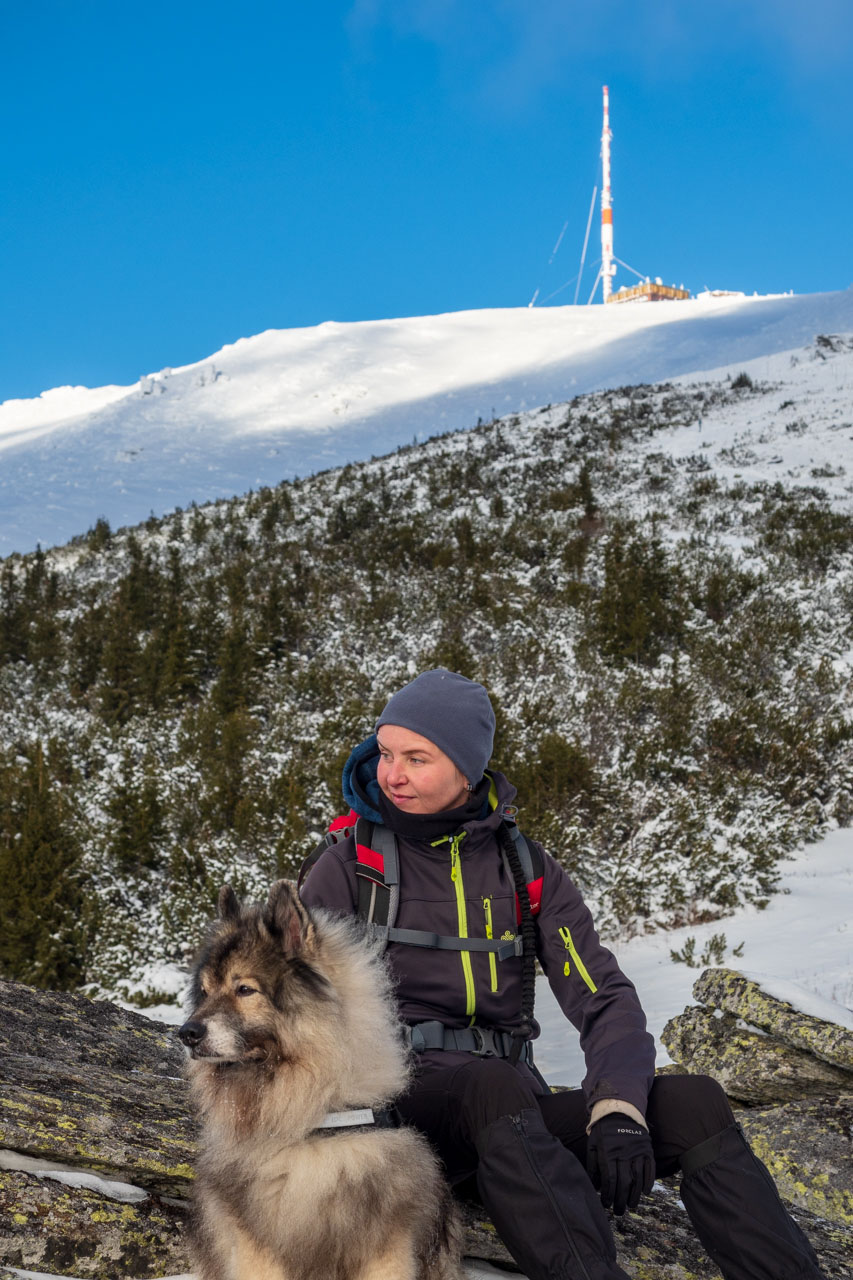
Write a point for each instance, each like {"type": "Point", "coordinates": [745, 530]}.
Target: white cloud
{"type": "Point", "coordinates": [516, 48]}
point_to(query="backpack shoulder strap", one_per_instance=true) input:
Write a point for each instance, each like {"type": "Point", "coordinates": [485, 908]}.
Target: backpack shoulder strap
{"type": "Point", "coordinates": [529, 855]}
{"type": "Point", "coordinates": [339, 829]}
{"type": "Point", "coordinates": [377, 869]}
{"type": "Point", "coordinates": [378, 872]}
{"type": "Point", "coordinates": [532, 863]}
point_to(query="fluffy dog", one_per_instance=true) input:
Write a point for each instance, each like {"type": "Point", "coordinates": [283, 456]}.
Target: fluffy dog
{"type": "Point", "coordinates": [292, 1022]}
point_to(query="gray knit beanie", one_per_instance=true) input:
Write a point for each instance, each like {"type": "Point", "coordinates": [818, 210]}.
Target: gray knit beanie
{"type": "Point", "coordinates": [451, 711]}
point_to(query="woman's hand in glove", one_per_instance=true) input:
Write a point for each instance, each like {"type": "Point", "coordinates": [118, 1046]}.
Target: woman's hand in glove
{"type": "Point", "coordinates": [620, 1161]}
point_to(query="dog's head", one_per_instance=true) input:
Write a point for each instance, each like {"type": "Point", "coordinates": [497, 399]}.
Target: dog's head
{"type": "Point", "coordinates": [257, 972]}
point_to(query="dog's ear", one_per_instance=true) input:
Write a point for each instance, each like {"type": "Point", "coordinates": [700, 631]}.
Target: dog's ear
{"type": "Point", "coordinates": [286, 917]}
{"type": "Point", "coordinates": [229, 907]}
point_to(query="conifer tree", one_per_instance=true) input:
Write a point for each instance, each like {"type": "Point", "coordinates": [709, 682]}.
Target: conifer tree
{"type": "Point", "coordinates": [231, 689]}
{"type": "Point", "coordinates": [179, 679]}
{"type": "Point", "coordinates": [86, 647]}
{"type": "Point", "coordinates": [13, 640]}
{"type": "Point", "coordinates": [99, 536]}
{"type": "Point", "coordinates": [225, 769]}
{"type": "Point", "coordinates": [585, 493]}
{"type": "Point", "coordinates": [120, 666]}
{"type": "Point", "coordinates": [138, 590]}
{"type": "Point", "coordinates": [137, 816]}
{"type": "Point", "coordinates": [639, 610]}
{"type": "Point", "coordinates": [45, 639]}
{"type": "Point", "coordinates": [43, 908]}
{"type": "Point", "coordinates": [151, 670]}
{"type": "Point", "coordinates": [272, 626]}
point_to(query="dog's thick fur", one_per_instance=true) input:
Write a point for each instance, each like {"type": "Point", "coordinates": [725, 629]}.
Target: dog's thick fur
{"type": "Point", "coordinates": [292, 1017]}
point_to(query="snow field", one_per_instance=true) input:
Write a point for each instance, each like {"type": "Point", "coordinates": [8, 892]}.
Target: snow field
{"type": "Point", "coordinates": [291, 402]}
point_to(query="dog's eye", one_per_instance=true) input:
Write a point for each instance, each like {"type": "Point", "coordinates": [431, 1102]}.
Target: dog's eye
{"type": "Point", "coordinates": [243, 990]}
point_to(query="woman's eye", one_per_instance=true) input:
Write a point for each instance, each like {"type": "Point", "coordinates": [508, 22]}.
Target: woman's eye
{"type": "Point", "coordinates": [243, 990]}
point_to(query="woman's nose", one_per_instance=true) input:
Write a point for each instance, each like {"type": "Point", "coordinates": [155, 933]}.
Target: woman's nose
{"type": "Point", "coordinates": [396, 772]}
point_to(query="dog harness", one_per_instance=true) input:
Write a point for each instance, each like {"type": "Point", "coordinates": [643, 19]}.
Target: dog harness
{"type": "Point", "coordinates": [360, 1119]}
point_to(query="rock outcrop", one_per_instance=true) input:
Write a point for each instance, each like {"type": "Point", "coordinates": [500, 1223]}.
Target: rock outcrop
{"type": "Point", "coordinates": [792, 1073]}
{"type": "Point", "coordinates": [752, 1067]}
{"type": "Point", "coordinates": [807, 1148]}
{"type": "Point", "coordinates": [762, 1049]}
{"type": "Point", "coordinates": [72, 1231]}
{"type": "Point", "coordinates": [823, 1038]}
{"type": "Point", "coordinates": [88, 1087]}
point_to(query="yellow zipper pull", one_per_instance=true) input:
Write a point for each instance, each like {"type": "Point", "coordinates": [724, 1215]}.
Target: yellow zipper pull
{"type": "Point", "coordinates": [454, 856]}
{"type": "Point", "coordinates": [566, 935]}
{"type": "Point", "coordinates": [493, 968]}
{"type": "Point", "coordinates": [567, 942]}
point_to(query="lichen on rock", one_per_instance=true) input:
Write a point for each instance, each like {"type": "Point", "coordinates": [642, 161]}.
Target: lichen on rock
{"type": "Point", "coordinates": [735, 993]}
{"type": "Point", "coordinates": [751, 1067]}
{"type": "Point", "coordinates": [807, 1147]}
{"type": "Point", "coordinates": [62, 1027]}
{"type": "Point", "coordinates": [137, 1128]}
{"type": "Point", "coordinates": [70, 1231]}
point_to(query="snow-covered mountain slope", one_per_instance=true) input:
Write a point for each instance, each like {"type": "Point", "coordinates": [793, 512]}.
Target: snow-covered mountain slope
{"type": "Point", "coordinates": [290, 402]}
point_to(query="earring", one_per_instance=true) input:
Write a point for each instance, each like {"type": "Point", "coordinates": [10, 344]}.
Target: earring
{"type": "Point", "coordinates": [469, 786]}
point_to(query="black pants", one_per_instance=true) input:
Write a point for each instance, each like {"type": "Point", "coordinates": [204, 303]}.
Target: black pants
{"type": "Point", "coordinates": [454, 1105]}
{"type": "Point", "coordinates": [524, 1156]}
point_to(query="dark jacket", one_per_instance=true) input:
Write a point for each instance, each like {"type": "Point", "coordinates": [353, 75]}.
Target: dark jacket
{"type": "Point", "coordinates": [460, 887]}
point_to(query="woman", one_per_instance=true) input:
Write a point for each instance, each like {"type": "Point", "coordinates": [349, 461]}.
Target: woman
{"type": "Point", "coordinates": [534, 1158]}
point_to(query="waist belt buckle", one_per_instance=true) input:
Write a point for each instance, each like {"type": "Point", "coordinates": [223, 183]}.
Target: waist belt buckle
{"type": "Point", "coordinates": [484, 1041]}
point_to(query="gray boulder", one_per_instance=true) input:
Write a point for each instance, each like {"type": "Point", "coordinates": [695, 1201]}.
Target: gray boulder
{"type": "Point", "coordinates": [808, 1148]}
{"type": "Point", "coordinates": [59, 1027]}
{"type": "Point", "coordinates": [792, 1073]}
{"type": "Point", "coordinates": [85, 1083]}
{"type": "Point", "coordinates": [135, 1129]}
{"type": "Point", "coordinates": [62, 1230]}
{"type": "Point", "coordinates": [751, 1067]}
{"type": "Point", "coordinates": [735, 993]}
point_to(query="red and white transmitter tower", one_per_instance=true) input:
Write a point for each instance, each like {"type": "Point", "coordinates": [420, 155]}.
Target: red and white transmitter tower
{"type": "Point", "coordinates": [608, 269]}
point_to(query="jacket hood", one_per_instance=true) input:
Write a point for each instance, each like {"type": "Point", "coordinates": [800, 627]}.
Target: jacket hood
{"type": "Point", "coordinates": [359, 782]}
{"type": "Point", "coordinates": [361, 787]}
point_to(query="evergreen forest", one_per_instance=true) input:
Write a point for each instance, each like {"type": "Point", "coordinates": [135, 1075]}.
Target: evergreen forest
{"type": "Point", "coordinates": [667, 650]}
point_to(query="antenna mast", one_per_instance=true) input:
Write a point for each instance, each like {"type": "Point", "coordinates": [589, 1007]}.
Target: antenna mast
{"type": "Point", "coordinates": [608, 269]}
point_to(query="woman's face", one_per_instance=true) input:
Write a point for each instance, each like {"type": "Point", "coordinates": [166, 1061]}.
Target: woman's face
{"type": "Point", "coordinates": [415, 774]}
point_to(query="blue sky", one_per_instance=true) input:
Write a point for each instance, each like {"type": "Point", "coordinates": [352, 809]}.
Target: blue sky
{"type": "Point", "coordinates": [176, 176]}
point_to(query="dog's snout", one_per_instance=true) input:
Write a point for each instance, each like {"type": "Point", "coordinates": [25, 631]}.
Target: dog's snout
{"type": "Point", "coordinates": [192, 1033]}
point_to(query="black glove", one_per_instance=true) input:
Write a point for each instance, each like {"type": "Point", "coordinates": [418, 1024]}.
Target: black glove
{"type": "Point", "coordinates": [620, 1161]}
